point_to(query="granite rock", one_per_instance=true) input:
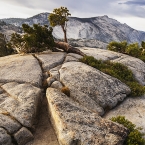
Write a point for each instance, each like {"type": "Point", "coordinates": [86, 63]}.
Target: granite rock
{"type": "Point", "coordinates": [74, 124]}
{"type": "Point", "coordinates": [77, 56]}
{"type": "Point", "coordinates": [50, 80]}
{"type": "Point", "coordinates": [22, 102]}
{"type": "Point", "coordinates": [23, 136]}
{"type": "Point", "coordinates": [70, 58]}
{"type": "Point", "coordinates": [9, 123]}
{"type": "Point", "coordinates": [21, 69]}
{"type": "Point", "coordinates": [57, 85]}
{"type": "Point", "coordinates": [92, 88]}
{"type": "Point", "coordinates": [133, 109]}
{"type": "Point", "coordinates": [5, 139]}
{"type": "Point", "coordinates": [136, 65]}
{"type": "Point", "coordinates": [51, 60]}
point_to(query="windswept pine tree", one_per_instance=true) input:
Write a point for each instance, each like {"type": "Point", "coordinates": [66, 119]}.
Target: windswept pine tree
{"type": "Point", "coordinates": [59, 17]}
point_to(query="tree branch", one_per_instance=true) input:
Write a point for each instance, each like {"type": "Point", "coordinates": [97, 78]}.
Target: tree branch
{"type": "Point", "coordinates": [68, 48]}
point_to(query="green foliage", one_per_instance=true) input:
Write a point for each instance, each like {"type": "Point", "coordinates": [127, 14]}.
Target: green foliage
{"type": "Point", "coordinates": [35, 39]}
{"type": "Point", "coordinates": [135, 137]}
{"type": "Point", "coordinates": [60, 17]}
{"type": "Point", "coordinates": [118, 71]}
{"type": "Point", "coordinates": [142, 57]}
{"type": "Point", "coordinates": [130, 49]}
{"type": "Point", "coordinates": [143, 44]}
{"type": "Point", "coordinates": [133, 50]}
{"type": "Point", "coordinates": [117, 46]}
{"type": "Point", "coordinates": [4, 49]}
{"type": "Point", "coordinates": [136, 88]}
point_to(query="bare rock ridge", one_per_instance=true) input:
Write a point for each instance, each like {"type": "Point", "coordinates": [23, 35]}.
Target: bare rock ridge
{"type": "Point", "coordinates": [76, 119]}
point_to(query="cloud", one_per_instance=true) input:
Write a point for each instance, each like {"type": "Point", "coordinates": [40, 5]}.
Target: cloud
{"type": "Point", "coordinates": [78, 8]}
{"type": "Point", "coordinates": [135, 2]}
{"type": "Point", "coordinates": [134, 7]}
{"type": "Point", "coordinates": [82, 8]}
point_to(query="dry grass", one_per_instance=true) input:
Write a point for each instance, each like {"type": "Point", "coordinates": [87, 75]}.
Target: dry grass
{"type": "Point", "coordinates": [45, 84]}
{"type": "Point", "coordinates": [66, 91]}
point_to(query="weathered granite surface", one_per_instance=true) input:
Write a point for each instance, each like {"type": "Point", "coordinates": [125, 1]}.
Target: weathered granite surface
{"type": "Point", "coordinates": [54, 72]}
{"type": "Point", "coordinates": [75, 125]}
{"type": "Point", "coordinates": [70, 58]}
{"type": "Point", "coordinates": [76, 119]}
{"type": "Point", "coordinates": [136, 65]}
{"type": "Point", "coordinates": [77, 56]}
{"type": "Point", "coordinates": [22, 69]}
{"type": "Point", "coordinates": [5, 138]}
{"type": "Point", "coordinates": [92, 88]}
{"type": "Point", "coordinates": [18, 109]}
{"type": "Point", "coordinates": [57, 85]}
{"type": "Point", "coordinates": [22, 102]}
{"type": "Point", "coordinates": [50, 80]}
{"type": "Point", "coordinates": [23, 136]}
{"type": "Point", "coordinates": [9, 123]}
{"type": "Point", "coordinates": [51, 59]}
{"type": "Point", "coordinates": [133, 109]}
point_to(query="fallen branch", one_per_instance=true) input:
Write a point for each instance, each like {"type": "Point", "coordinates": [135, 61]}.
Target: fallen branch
{"type": "Point", "coordinates": [68, 48]}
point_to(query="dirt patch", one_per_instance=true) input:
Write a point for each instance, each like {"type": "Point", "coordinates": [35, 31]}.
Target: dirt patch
{"type": "Point", "coordinates": [44, 134]}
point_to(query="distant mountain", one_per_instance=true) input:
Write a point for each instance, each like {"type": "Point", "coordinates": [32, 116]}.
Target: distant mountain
{"type": "Point", "coordinates": [8, 29]}
{"type": "Point", "coordinates": [100, 28]}
{"type": "Point", "coordinates": [40, 18]}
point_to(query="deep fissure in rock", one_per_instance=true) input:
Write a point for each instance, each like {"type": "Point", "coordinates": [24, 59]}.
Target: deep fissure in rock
{"type": "Point", "coordinates": [44, 103]}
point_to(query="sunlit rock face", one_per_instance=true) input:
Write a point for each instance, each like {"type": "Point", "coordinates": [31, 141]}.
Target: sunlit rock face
{"type": "Point", "coordinates": [75, 124]}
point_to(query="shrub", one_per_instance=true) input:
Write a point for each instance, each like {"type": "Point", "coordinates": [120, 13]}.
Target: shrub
{"type": "Point", "coordinates": [66, 91]}
{"type": "Point", "coordinates": [142, 57]}
{"type": "Point", "coordinates": [143, 44]}
{"type": "Point", "coordinates": [136, 88]}
{"type": "Point", "coordinates": [35, 39]}
{"type": "Point", "coordinates": [117, 46]}
{"type": "Point", "coordinates": [118, 71]}
{"type": "Point", "coordinates": [4, 49]}
{"type": "Point", "coordinates": [135, 137]}
{"type": "Point", "coordinates": [133, 50]}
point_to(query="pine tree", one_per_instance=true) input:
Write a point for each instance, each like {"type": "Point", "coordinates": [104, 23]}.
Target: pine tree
{"type": "Point", "coordinates": [60, 17]}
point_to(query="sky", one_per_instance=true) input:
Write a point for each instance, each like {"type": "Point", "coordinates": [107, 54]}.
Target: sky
{"type": "Point", "coordinates": [131, 12]}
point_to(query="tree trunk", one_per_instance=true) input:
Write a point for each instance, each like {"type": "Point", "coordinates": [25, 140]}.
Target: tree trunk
{"type": "Point", "coordinates": [64, 31]}
{"type": "Point", "coordinates": [65, 38]}
{"type": "Point", "coordinates": [68, 48]}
